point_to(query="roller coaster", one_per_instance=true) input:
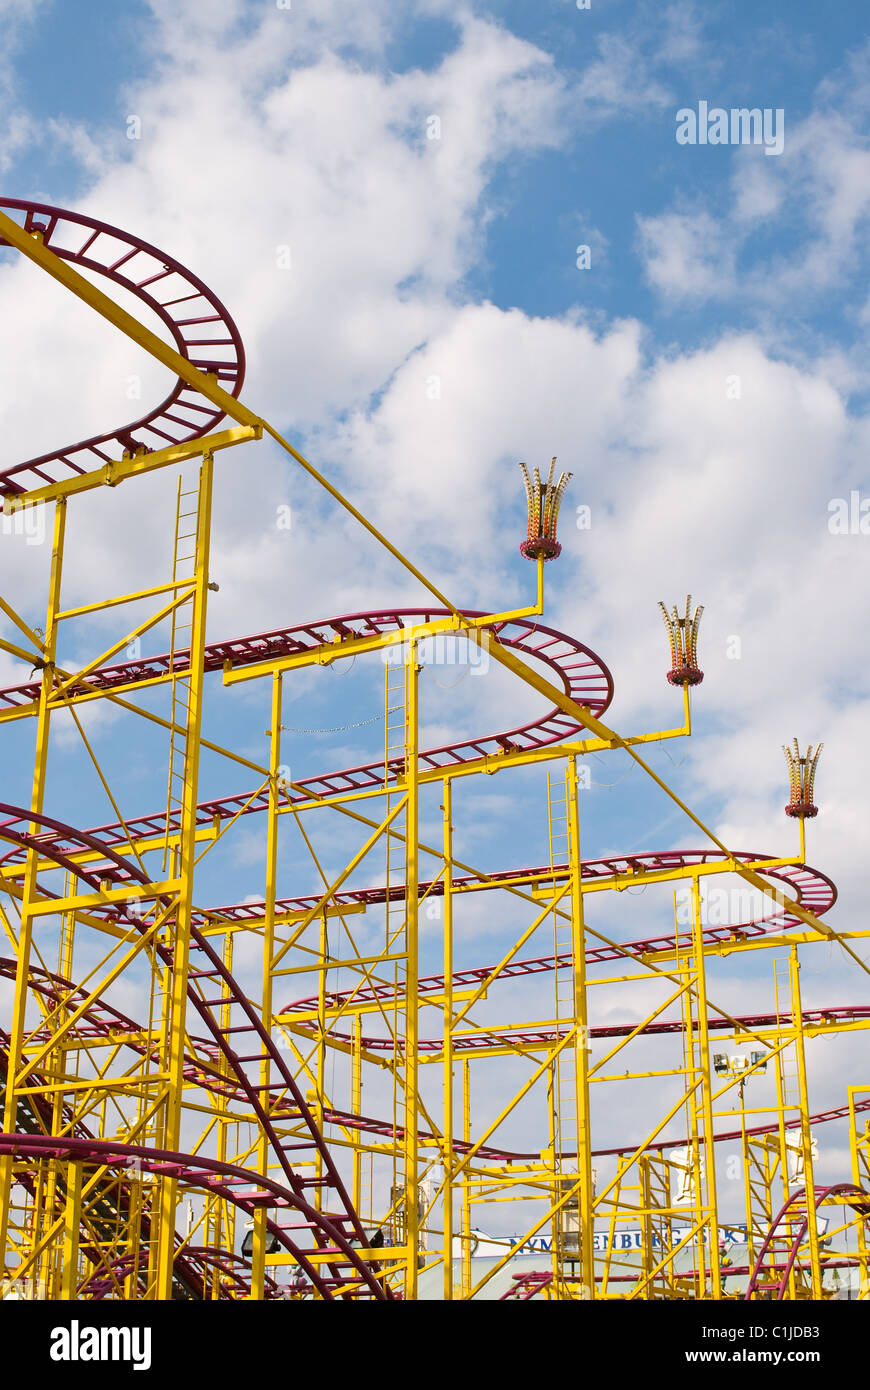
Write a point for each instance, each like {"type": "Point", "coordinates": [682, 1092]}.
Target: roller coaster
{"type": "Point", "coordinates": [184, 1113]}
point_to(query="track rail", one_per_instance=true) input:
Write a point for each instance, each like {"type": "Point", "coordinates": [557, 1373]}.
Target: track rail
{"type": "Point", "coordinates": [547, 1037]}
{"type": "Point", "coordinates": [811, 888]}
{"type": "Point", "coordinates": [525, 1286]}
{"type": "Point", "coordinates": [113, 1196]}
{"type": "Point", "coordinates": [328, 1232]}
{"type": "Point", "coordinates": [786, 1246]}
{"type": "Point", "coordinates": [197, 322]}
{"type": "Point", "coordinates": [245, 1190]}
{"type": "Point", "coordinates": [570, 664]}
{"type": "Point", "coordinates": [230, 1269]}
{"type": "Point", "coordinates": [102, 1022]}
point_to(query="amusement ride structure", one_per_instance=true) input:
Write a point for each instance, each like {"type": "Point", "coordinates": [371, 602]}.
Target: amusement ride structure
{"type": "Point", "coordinates": [310, 1136]}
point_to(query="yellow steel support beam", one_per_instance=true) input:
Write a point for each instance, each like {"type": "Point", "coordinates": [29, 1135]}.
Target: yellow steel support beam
{"type": "Point", "coordinates": [583, 1136]}
{"type": "Point", "coordinates": [410, 1047]}
{"type": "Point", "coordinates": [260, 1232]}
{"type": "Point", "coordinates": [71, 1227]}
{"type": "Point", "coordinates": [447, 1127]}
{"type": "Point", "coordinates": [22, 993]}
{"type": "Point", "coordinates": [177, 1028]}
{"type": "Point", "coordinates": [806, 1136]}
{"type": "Point", "coordinates": [711, 1225]}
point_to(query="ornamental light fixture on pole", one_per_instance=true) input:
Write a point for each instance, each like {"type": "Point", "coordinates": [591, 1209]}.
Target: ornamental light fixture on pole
{"type": "Point", "coordinates": [801, 776]}
{"type": "Point", "coordinates": [543, 500]}
{"type": "Point", "coordinates": [683, 637]}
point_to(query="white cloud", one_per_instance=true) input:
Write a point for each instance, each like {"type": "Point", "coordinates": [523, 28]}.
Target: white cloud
{"type": "Point", "coordinates": [690, 489]}
{"type": "Point", "coordinates": [792, 229]}
{"type": "Point", "coordinates": [19, 127]}
{"type": "Point", "coordinates": [687, 256]}
{"type": "Point", "coordinates": [507, 386]}
{"type": "Point", "coordinates": [328, 159]}
{"type": "Point", "coordinates": [619, 82]}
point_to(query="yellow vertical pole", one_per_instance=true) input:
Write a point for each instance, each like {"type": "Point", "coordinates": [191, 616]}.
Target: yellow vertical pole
{"type": "Point", "coordinates": [162, 978]}
{"type": "Point", "coordinates": [712, 1222]}
{"type": "Point", "coordinates": [134, 1229]}
{"type": "Point", "coordinates": [581, 1040]}
{"type": "Point", "coordinates": [781, 1101]}
{"type": "Point", "coordinates": [466, 1182]}
{"type": "Point", "coordinates": [37, 1219]}
{"type": "Point", "coordinates": [186, 857]}
{"type": "Point", "coordinates": [646, 1222]}
{"type": "Point", "coordinates": [683, 966]}
{"type": "Point", "coordinates": [71, 1224]}
{"type": "Point", "coordinates": [855, 1145]}
{"type": "Point", "coordinates": [55, 1070]}
{"type": "Point", "coordinates": [22, 971]}
{"type": "Point", "coordinates": [806, 1137]}
{"type": "Point", "coordinates": [747, 1180]}
{"type": "Point", "coordinates": [356, 1107]}
{"type": "Point", "coordinates": [412, 836]}
{"type": "Point", "coordinates": [259, 1242]}
{"type": "Point", "coordinates": [447, 1122]}
{"type": "Point", "coordinates": [223, 1227]}
{"type": "Point", "coordinates": [316, 1099]}
{"type": "Point", "coordinates": [552, 1154]}
{"type": "Point", "coordinates": [782, 1105]}
{"type": "Point", "coordinates": [690, 1050]}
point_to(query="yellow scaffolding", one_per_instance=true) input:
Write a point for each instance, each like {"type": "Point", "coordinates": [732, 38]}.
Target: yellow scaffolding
{"type": "Point", "coordinates": [328, 1148]}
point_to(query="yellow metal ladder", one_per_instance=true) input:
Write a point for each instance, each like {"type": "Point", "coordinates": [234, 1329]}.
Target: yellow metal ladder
{"type": "Point", "coordinates": [183, 568]}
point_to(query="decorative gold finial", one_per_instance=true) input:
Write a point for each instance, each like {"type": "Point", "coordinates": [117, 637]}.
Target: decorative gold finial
{"type": "Point", "coordinates": [543, 502]}
{"type": "Point", "coordinates": [683, 637]}
{"type": "Point", "coordinates": [801, 776]}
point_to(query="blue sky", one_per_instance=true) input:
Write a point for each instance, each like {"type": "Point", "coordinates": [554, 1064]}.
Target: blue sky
{"type": "Point", "coordinates": [612, 165]}
{"type": "Point", "coordinates": [456, 259]}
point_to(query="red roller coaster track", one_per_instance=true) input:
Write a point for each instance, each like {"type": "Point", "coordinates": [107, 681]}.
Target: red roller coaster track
{"type": "Point", "coordinates": [198, 324]}
{"type": "Point", "coordinates": [812, 889]}
{"type": "Point", "coordinates": [100, 1017]}
{"type": "Point", "coordinates": [332, 1233]}
{"type": "Point", "coordinates": [99, 1020]}
{"type": "Point", "coordinates": [780, 1249]}
{"type": "Point", "coordinates": [581, 674]}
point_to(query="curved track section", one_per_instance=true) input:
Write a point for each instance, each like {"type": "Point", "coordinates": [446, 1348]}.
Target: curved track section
{"type": "Point", "coordinates": [112, 1199]}
{"type": "Point", "coordinates": [245, 1190]}
{"type": "Point", "coordinates": [811, 889]}
{"type": "Point", "coordinates": [581, 674]}
{"type": "Point", "coordinates": [779, 1251]}
{"type": "Point", "coordinates": [846, 1013]}
{"type": "Point", "coordinates": [58, 841]}
{"type": "Point", "coordinates": [331, 1233]}
{"type": "Point", "coordinates": [197, 322]}
{"type": "Point", "coordinates": [839, 1112]}
{"type": "Point", "coordinates": [230, 1270]}
{"type": "Point", "coordinates": [526, 1286]}
{"type": "Point", "coordinates": [100, 1021]}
